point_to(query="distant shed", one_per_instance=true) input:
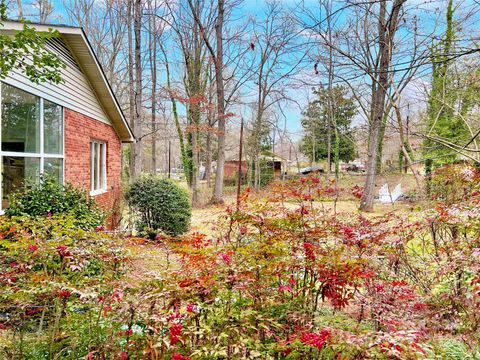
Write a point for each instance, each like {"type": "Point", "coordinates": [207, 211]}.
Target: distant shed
{"type": "Point", "coordinates": [231, 168]}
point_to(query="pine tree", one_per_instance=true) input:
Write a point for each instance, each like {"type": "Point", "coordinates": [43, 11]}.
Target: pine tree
{"type": "Point", "coordinates": [315, 124]}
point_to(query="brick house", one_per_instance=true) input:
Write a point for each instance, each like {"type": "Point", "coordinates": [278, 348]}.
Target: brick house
{"type": "Point", "coordinates": [72, 131]}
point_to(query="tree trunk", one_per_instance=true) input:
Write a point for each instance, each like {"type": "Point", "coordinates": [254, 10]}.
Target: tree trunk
{"type": "Point", "coordinates": [217, 56]}
{"type": "Point", "coordinates": [406, 146]}
{"type": "Point", "coordinates": [153, 67]}
{"type": "Point", "coordinates": [257, 138]}
{"type": "Point", "coordinates": [20, 9]}
{"type": "Point", "coordinates": [371, 167]}
{"type": "Point", "coordinates": [258, 169]}
{"type": "Point", "coordinates": [329, 138]}
{"type": "Point", "coordinates": [218, 190]}
{"type": "Point", "coordinates": [194, 86]}
{"type": "Point", "coordinates": [178, 127]}
{"type": "Point", "coordinates": [131, 86]}
{"type": "Point", "coordinates": [137, 147]}
{"type": "Point", "coordinates": [386, 30]}
{"type": "Point", "coordinates": [208, 144]}
{"type": "Point", "coordinates": [331, 119]}
{"type": "Point", "coordinates": [195, 165]}
{"type": "Point", "coordinates": [208, 158]}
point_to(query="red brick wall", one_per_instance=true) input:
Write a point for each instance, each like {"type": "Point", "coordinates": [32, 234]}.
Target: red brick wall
{"type": "Point", "coordinates": [79, 131]}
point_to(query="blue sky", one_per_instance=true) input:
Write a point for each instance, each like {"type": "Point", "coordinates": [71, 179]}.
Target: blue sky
{"type": "Point", "coordinates": [249, 8]}
{"type": "Point", "coordinates": [424, 9]}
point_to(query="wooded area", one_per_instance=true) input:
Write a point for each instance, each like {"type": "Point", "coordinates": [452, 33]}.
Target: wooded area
{"type": "Point", "coordinates": [188, 71]}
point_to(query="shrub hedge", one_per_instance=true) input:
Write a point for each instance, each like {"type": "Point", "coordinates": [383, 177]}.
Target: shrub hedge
{"type": "Point", "coordinates": [160, 204]}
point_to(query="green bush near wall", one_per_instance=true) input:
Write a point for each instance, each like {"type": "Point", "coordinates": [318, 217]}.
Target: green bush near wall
{"type": "Point", "coordinates": [51, 198]}
{"type": "Point", "coordinates": [160, 204]}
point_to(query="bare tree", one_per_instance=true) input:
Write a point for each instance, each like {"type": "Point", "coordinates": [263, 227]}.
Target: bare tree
{"type": "Point", "coordinates": [136, 165]}
{"type": "Point", "coordinates": [19, 10]}
{"type": "Point", "coordinates": [153, 39]}
{"type": "Point", "coordinates": [216, 53]}
{"type": "Point", "coordinates": [44, 10]}
{"type": "Point", "coordinates": [371, 57]}
{"type": "Point", "coordinates": [194, 73]}
{"type": "Point", "coordinates": [387, 27]}
{"type": "Point", "coordinates": [276, 60]}
{"type": "Point", "coordinates": [210, 124]}
{"type": "Point", "coordinates": [195, 81]}
{"type": "Point", "coordinates": [106, 27]}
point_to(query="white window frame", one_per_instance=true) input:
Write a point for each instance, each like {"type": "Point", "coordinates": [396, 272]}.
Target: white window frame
{"type": "Point", "coordinates": [100, 146]}
{"type": "Point", "coordinates": [41, 155]}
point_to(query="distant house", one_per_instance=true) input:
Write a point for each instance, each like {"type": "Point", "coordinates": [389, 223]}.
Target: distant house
{"type": "Point", "coordinates": [272, 164]}
{"type": "Point", "coordinates": [276, 162]}
{"type": "Point", "coordinates": [230, 169]}
{"type": "Point", "coordinates": [72, 130]}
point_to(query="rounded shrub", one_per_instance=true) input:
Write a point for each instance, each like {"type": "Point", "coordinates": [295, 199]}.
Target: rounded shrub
{"type": "Point", "coordinates": [159, 204]}
{"type": "Point", "coordinates": [48, 198]}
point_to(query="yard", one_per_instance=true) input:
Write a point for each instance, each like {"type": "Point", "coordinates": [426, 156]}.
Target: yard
{"type": "Point", "coordinates": [114, 117]}
{"type": "Point", "coordinates": [151, 256]}
{"type": "Point", "coordinates": [297, 272]}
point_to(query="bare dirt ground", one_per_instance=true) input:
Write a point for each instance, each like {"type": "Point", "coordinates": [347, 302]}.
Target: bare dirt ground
{"type": "Point", "coordinates": [149, 257]}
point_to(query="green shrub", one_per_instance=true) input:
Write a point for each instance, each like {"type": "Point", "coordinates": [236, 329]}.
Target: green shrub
{"type": "Point", "coordinates": [160, 204]}
{"type": "Point", "coordinates": [50, 198]}
{"type": "Point", "coordinates": [457, 350]}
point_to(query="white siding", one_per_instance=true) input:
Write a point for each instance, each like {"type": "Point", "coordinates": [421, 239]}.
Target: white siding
{"type": "Point", "coordinates": [74, 92]}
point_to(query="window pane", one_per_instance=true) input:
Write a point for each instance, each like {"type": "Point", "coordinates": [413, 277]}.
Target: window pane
{"type": "Point", "coordinates": [17, 173]}
{"type": "Point", "coordinates": [54, 167]}
{"type": "Point", "coordinates": [94, 166]}
{"type": "Point", "coordinates": [20, 121]}
{"type": "Point", "coordinates": [53, 124]}
{"type": "Point", "coordinates": [97, 166]}
{"type": "Point", "coordinates": [102, 161]}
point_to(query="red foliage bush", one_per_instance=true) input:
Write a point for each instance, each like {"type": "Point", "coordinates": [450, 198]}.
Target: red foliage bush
{"type": "Point", "coordinates": [288, 278]}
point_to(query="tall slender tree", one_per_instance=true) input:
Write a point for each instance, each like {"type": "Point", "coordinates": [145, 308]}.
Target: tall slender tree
{"type": "Point", "coordinates": [276, 60]}
{"type": "Point", "coordinates": [216, 53]}
{"type": "Point", "coordinates": [153, 40]}
{"type": "Point", "coordinates": [44, 9]}
{"type": "Point", "coordinates": [444, 116]}
{"type": "Point", "coordinates": [137, 123]}
{"type": "Point", "coordinates": [387, 28]}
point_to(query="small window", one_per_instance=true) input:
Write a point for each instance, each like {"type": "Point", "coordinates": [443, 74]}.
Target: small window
{"type": "Point", "coordinates": [98, 167]}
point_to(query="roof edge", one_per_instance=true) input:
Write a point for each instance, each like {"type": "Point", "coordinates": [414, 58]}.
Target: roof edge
{"type": "Point", "coordinates": [12, 25]}
{"type": "Point", "coordinates": [15, 25]}
{"type": "Point", "coordinates": [110, 90]}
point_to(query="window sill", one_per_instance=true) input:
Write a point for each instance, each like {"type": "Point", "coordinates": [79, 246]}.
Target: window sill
{"type": "Point", "coordinates": [98, 192]}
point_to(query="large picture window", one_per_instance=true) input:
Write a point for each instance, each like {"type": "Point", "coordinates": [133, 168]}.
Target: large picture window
{"type": "Point", "coordinates": [31, 140]}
